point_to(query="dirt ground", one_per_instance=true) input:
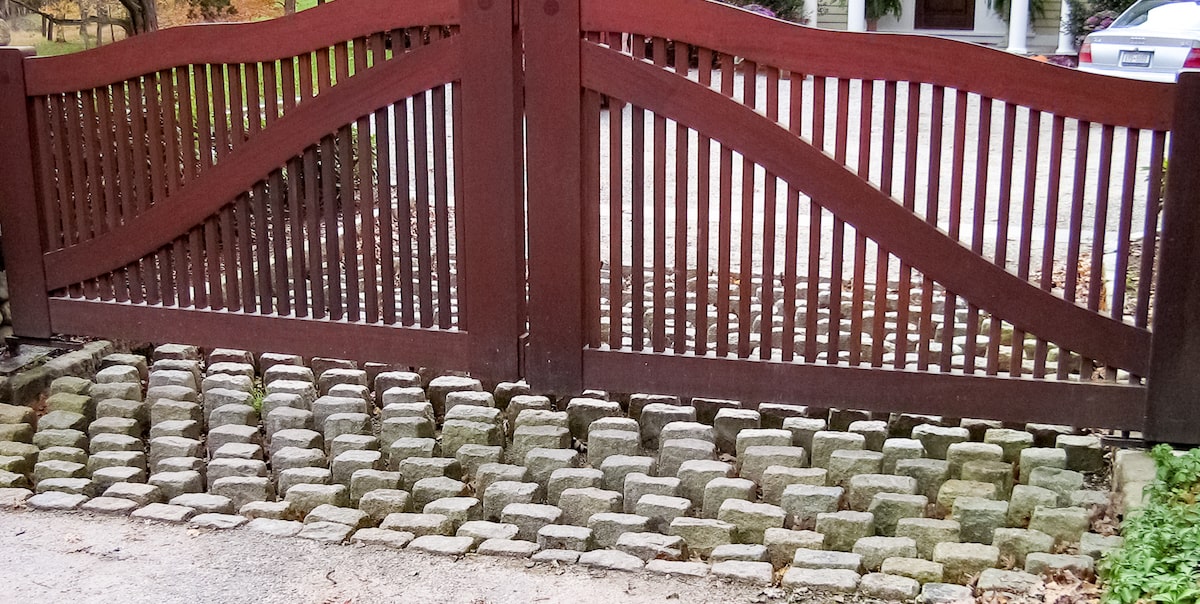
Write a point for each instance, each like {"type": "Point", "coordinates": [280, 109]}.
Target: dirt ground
{"type": "Point", "coordinates": [78, 557]}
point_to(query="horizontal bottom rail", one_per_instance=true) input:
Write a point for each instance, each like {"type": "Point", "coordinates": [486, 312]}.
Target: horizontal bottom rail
{"type": "Point", "coordinates": [1083, 404]}
{"type": "Point", "coordinates": [414, 346]}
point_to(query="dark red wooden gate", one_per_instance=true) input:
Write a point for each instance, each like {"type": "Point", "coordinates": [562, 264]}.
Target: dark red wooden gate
{"type": "Point", "coordinates": [341, 184]}
{"type": "Point", "coordinates": [718, 204]}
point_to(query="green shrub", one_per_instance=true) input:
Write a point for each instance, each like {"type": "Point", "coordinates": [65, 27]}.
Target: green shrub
{"type": "Point", "coordinates": [1160, 559]}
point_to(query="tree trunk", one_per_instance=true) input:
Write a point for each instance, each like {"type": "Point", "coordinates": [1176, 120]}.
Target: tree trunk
{"type": "Point", "coordinates": [289, 7]}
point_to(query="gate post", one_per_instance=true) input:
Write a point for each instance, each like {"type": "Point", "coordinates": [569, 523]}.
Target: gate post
{"type": "Point", "coordinates": [553, 117]}
{"type": "Point", "coordinates": [491, 212]}
{"type": "Point", "coordinates": [22, 231]}
{"type": "Point", "coordinates": [1173, 397]}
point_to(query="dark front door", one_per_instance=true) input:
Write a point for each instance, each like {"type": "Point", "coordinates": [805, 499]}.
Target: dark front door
{"type": "Point", "coordinates": [945, 14]}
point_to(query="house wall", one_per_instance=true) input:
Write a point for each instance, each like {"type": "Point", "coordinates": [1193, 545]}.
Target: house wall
{"type": "Point", "coordinates": [990, 28]}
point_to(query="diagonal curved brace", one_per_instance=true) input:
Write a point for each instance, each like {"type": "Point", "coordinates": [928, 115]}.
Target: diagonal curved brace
{"type": "Point", "coordinates": [362, 94]}
{"type": "Point", "coordinates": [872, 213]}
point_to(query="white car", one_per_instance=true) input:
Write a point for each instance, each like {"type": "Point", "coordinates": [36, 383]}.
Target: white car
{"type": "Point", "coordinates": [1152, 40]}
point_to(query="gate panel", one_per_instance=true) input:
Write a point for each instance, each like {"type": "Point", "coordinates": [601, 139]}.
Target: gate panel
{"type": "Point", "coordinates": [818, 209]}
{"type": "Point", "coordinates": [268, 193]}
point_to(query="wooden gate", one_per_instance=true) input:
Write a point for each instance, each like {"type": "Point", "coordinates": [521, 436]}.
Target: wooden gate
{"type": "Point", "coordinates": [768, 212]}
{"type": "Point", "coordinates": [337, 183]}
{"type": "Point", "coordinates": [719, 204]}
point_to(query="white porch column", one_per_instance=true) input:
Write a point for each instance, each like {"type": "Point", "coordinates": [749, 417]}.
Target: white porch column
{"type": "Point", "coordinates": [1018, 27]}
{"type": "Point", "coordinates": [856, 15]}
{"type": "Point", "coordinates": [1066, 42]}
{"type": "Point", "coordinates": [811, 10]}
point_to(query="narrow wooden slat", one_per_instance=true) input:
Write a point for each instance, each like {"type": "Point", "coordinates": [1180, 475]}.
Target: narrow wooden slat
{"type": "Point", "coordinates": [1125, 224]}
{"type": "Point", "coordinates": [383, 198]}
{"type": "Point", "coordinates": [957, 168]}
{"type": "Point", "coordinates": [248, 227]}
{"type": "Point", "coordinates": [724, 220]}
{"type": "Point", "coordinates": [978, 220]}
{"type": "Point", "coordinates": [865, 110]}
{"type": "Point", "coordinates": [212, 251]}
{"type": "Point", "coordinates": [616, 219]}
{"type": "Point", "coordinates": [297, 204]}
{"type": "Point", "coordinates": [770, 184]}
{"type": "Point", "coordinates": [202, 93]}
{"type": "Point", "coordinates": [94, 199]}
{"type": "Point", "coordinates": [424, 231]}
{"type": "Point", "coordinates": [441, 208]}
{"type": "Point", "coordinates": [1050, 232]}
{"type": "Point", "coordinates": [315, 198]}
{"type": "Point", "coordinates": [367, 138]}
{"type": "Point", "coordinates": [883, 257]}
{"type": "Point", "coordinates": [746, 234]}
{"type": "Point", "coordinates": [1025, 246]}
{"type": "Point", "coordinates": [272, 88]}
{"type": "Point", "coordinates": [142, 185]}
{"type": "Point", "coordinates": [229, 249]}
{"type": "Point", "coordinates": [44, 139]}
{"type": "Point", "coordinates": [271, 246]}
{"type": "Point", "coordinates": [837, 259]}
{"type": "Point", "coordinates": [1150, 228]}
{"type": "Point", "coordinates": [221, 110]}
{"type": "Point", "coordinates": [637, 238]}
{"type": "Point", "coordinates": [1075, 228]}
{"type": "Point", "coordinates": [289, 81]}
{"type": "Point", "coordinates": [814, 230]}
{"type": "Point", "coordinates": [1003, 209]}
{"type": "Point", "coordinates": [254, 99]}
{"type": "Point", "coordinates": [658, 328]}
{"type": "Point", "coordinates": [704, 60]}
{"type": "Point", "coordinates": [909, 199]}
{"type": "Point", "coordinates": [926, 328]}
{"type": "Point", "coordinates": [404, 212]}
{"type": "Point", "coordinates": [112, 214]}
{"type": "Point", "coordinates": [590, 219]}
{"type": "Point", "coordinates": [330, 147]}
{"type": "Point", "coordinates": [345, 271]}
{"type": "Point", "coordinates": [1095, 293]}
{"type": "Point", "coordinates": [162, 288]}
{"type": "Point", "coordinates": [791, 252]}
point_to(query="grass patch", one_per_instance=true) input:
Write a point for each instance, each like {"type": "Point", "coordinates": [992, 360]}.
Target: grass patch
{"type": "Point", "coordinates": [1160, 559]}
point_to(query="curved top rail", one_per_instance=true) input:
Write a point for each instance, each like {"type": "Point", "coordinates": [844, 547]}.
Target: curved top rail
{"type": "Point", "coordinates": [305, 31]}
{"type": "Point", "coordinates": [900, 57]}
{"type": "Point", "coordinates": [872, 213]}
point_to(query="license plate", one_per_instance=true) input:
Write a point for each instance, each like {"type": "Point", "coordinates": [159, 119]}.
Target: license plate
{"type": "Point", "coordinates": [1135, 58]}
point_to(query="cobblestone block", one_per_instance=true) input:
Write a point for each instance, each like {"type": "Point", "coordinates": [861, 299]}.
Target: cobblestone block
{"type": "Point", "coordinates": [1037, 457]}
{"type": "Point", "coordinates": [607, 527]}
{"type": "Point", "coordinates": [530, 518]}
{"type": "Point", "coordinates": [803, 429]}
{"type": "Point", "coordinates": [756, 459]}
{"type": "Point", "coordinates": [922, 571]}
{"type": "Point", "coordinates": [579, 505]}
{"type": "Point", "coordinates": [1084, 453]}
{"type": "Point", "coordinates": [776, 479]}
{"type": "Point", "coordinates": [874, 550]}
{"type": "Point", "coordinates": [1017, 543]}
{"type": "Point", "coordinates": [864, 487]}
{"type": "Point", "coordinates": [889, 587]}
{"type": "Point", "coordinates": [804, 502]}
{"type": "Point", "coordinates": [828, 580]}
{"type": "Point", "coordinates": [458, 509]}
{"type": "Point", "coordinates": [44, 439]}
{"type": "Point", "coordinates": [581, 412]}
{"type": "Point", "coordinates": [696, 430]}
{"type": "Point", "coordinates": [702, 535]}
{"type": "Point", "coordinates": [719, 490]}
{"type": "Point", "coordinates": [674, 453]}
{"type": "Point", "coordinates": [651, 546]}
{"type": "Point", "coordinates": [499, 495]}
{"type": "Point", "coordinates": [874, 431]}
{"type": "Point", "coordinates": [1062, 482]}
{"type": "Point", "coordinates": [928, 532]}
{"type": "Point", "coordinates": [571, 478]}
{"type": "Point", "coordinates": [937, 439]}
{"type": "Point", "coordinates": [402, 449]}
{"type": "Point", "coordinates": [930, 474]}
{"type": "Point", "coordinates": [694, 476]}
{"type": "Point", "coordinates": [782, 544]}
{"type": "Point", "coordinates": [958, 454]}
{"type": "Point", "coordinates": [953, 489]}
{"type": "Point", "coordinates": [426, 490]}
{"type": "Point", "coordinates": [751, 519]}
{"type": "Point", "coordinates": [729, 422]}
{"type": "Point", "coordinates": [655, 417]}
{"type": "Point", "coordinates": [1012, 442]}
{"type": "Point", "coordinates": [366, 480]}
{"type": "Point", "coordinates": [420, 525]}
{"type": "Point", "coordinates": [961, 561]}
{"type": "Point", "coordinates": [842, 529]}
{"type": "Point", "coordinates": [979, 518]}
{"type": "Point", "coordinates": [638, 484]}
{"type": "Point", "coordinates": [603, 444]}
{"type": "Point", "coordinates": [1024, 500]}
{"type": "Point", "coordinates": [1066, 525]}
{"type": "Point", "coordinates": [482, 530]}
{"type": "Point", "coordinates": [1044, 564]}
{"type": "Point", "coordinates": [617, 467]}
{"type": "Point", "coordinates": [825, 442]}
{"type": "Point", "coordinates": [381, 502]}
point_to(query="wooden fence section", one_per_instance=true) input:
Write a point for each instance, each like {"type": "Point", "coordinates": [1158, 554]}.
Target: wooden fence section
{"type": "Point", "coordinates": [718, 204]}
{"type": "Point", "coordinates": [775, 213]}
{"type": "Point", "coordinates": [299, 183]}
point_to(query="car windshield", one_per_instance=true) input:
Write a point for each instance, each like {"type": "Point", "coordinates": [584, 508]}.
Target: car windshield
{"type": "Point", "coordinates": [1162, 14]}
